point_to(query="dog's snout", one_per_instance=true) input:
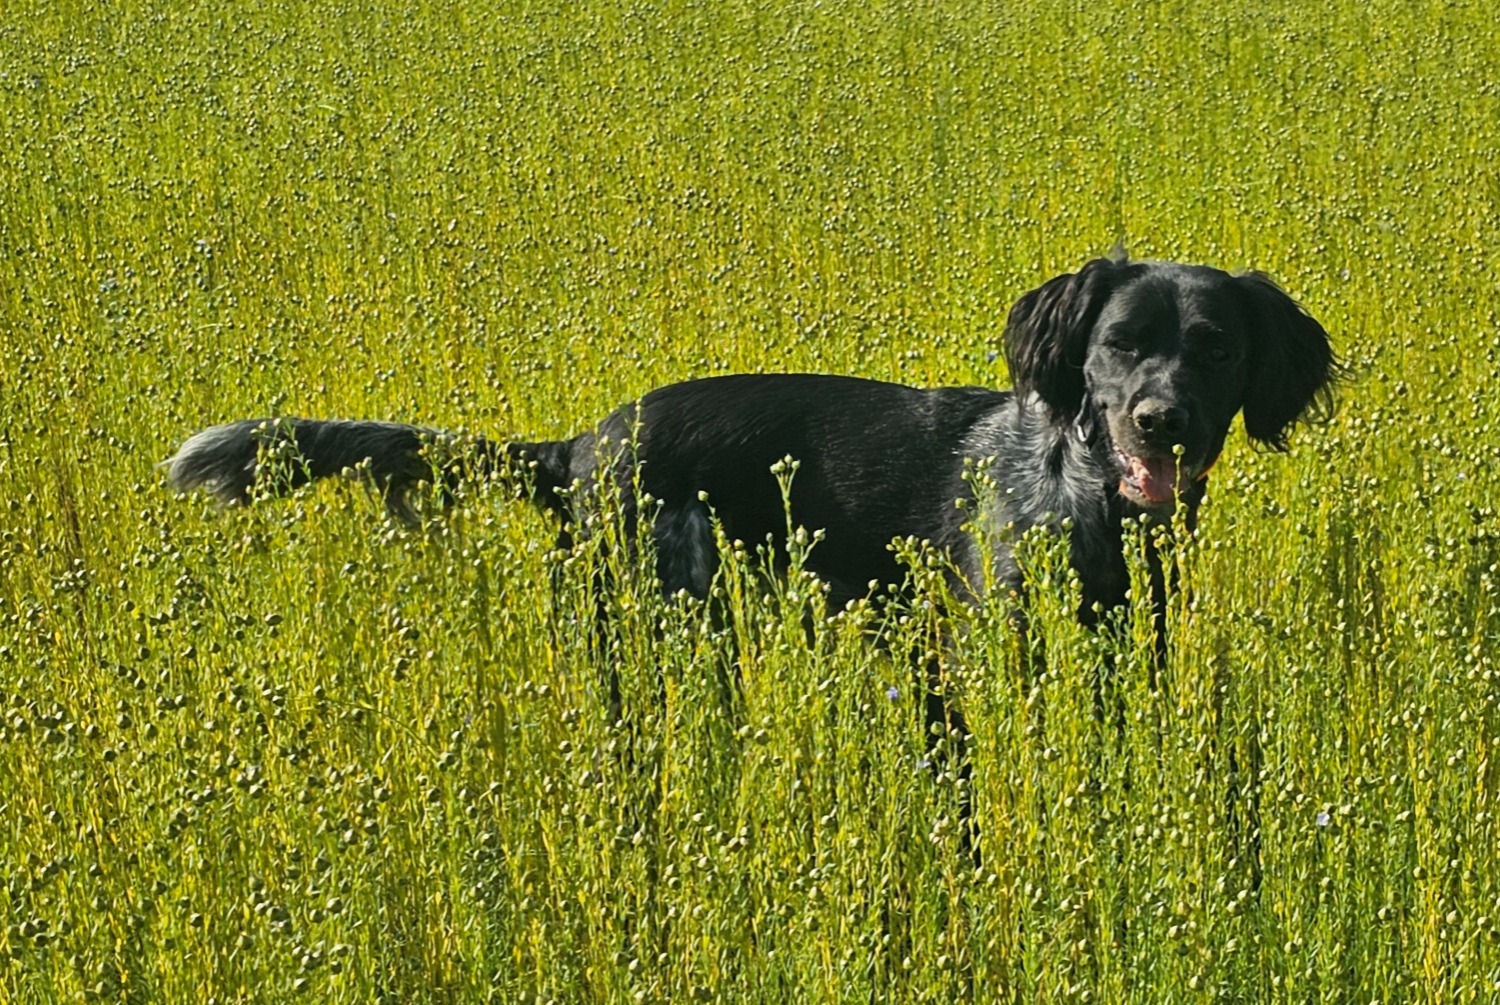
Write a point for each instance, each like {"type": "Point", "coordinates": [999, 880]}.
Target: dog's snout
{"type": "Point", "coordinates": [1156, 418]}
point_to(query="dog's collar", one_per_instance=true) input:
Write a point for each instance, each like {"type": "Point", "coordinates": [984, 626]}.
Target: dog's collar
{"type": "Point", "coordinates": [1085, 422]}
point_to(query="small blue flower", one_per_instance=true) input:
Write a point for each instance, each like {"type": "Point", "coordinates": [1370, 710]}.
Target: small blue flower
{"type": "Point", "coordinates": [992, 355]}
{"type": "Point", "coordinates": [1323, 819]}
{"type": "Point", "coordinates": [893, 692]}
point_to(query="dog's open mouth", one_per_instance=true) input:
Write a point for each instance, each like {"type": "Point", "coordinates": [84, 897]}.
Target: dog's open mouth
{"type": "Point", "coordinates": [1154, 481]}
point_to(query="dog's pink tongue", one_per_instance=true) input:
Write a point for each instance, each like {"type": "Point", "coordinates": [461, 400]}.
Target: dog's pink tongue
{"type": "Point", "coordinates": [1156, 477]}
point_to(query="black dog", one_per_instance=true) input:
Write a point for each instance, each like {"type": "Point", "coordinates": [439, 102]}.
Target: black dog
{"type": "Point", "coordinates": [1127, 377]}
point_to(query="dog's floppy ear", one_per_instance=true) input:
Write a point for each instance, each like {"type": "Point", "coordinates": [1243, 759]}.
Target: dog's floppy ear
{"type": "Point", "coordinates": [1292, 366]}
{"type": "Point", "coordinates": [1047, 334]}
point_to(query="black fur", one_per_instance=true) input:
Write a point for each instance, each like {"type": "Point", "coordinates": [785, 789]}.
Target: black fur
{"type": "Point", "coordinates": [1114, 367]}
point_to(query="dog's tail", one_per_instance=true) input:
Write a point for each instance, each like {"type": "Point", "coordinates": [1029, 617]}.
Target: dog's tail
{"type": "Point", "coordinates": [237, 460]}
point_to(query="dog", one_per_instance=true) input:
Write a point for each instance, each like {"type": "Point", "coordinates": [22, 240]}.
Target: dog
{"type": "Point", "coordinates": [1127, 377]}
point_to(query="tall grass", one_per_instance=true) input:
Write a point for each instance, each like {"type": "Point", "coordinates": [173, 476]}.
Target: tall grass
{"type": "Point", "coordinates": [297, 749]}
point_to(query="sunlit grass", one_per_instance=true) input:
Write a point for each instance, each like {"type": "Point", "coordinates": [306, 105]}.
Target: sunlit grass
{"type": "Point", "coordinates": [295, 748]}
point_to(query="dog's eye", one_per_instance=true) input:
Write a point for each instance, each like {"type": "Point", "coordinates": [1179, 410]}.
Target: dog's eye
{"type": "Point", "coordinates": [1122, 344]}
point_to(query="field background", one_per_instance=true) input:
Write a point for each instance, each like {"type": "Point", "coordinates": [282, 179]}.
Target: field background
{"type": "Point", "coordinates": [295, 749]}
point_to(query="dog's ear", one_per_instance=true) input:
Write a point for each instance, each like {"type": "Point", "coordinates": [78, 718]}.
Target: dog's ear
{"type": "Point", "coordinates": [1047, 334]}
{"type": "Point", "coordinates": [1292, 367]}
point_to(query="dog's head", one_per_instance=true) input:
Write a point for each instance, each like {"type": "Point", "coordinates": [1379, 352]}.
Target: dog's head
{"type": "Point", "coordinates": [1151, 361]}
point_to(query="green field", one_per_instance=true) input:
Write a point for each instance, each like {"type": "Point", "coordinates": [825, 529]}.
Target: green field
{"type": "Point", "coordinates": [298, 749]}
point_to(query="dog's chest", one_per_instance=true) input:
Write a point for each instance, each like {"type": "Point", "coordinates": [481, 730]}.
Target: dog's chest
{"type": "Point", "coordinates": [1029, 474]}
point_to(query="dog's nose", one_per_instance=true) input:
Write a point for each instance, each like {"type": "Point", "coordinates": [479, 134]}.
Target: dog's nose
{"type": "Point", "coordinates": [1157, 418]}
